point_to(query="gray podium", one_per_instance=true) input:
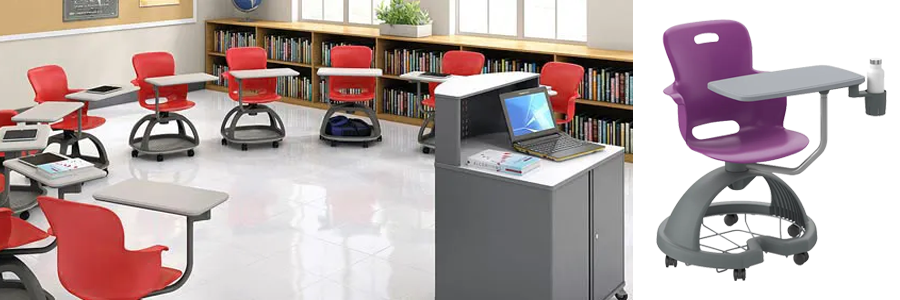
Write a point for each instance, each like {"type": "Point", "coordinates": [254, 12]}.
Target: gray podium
{"type": "Point", "coordinates": [555, 233]}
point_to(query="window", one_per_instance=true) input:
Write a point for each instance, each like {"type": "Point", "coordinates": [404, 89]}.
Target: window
{"type": "Point", "coordinates": [530, 19]}
{"type": "Point", "coordinates": [357, 11]}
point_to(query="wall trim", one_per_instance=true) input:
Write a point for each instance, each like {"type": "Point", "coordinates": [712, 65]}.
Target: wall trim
{"type": "Point", "coordinates": [67, 32]}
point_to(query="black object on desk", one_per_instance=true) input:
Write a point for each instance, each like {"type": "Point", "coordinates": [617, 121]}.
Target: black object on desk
{"type": "Point", "coordinates": [439, 75]}
{"type": "Point", "coordinates": [20, 135]}
{"type": "Point", "coordinates": [103, 89]}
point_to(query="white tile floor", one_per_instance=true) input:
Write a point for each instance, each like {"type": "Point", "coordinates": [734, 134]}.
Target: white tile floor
{"type": "Point", "coordinates": [305, 221]}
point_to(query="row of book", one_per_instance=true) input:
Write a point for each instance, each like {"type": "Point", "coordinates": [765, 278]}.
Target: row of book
{"type": "Point", "coordinates": [227, 39]}
{"type": "Point", "coordinates": [602, 130]}
{"type": "Point", "coordinates": [403, 103]}
{"type": "Point", "coordinates": [400, 61]}
{"type": "Point", "coordinates": [292, 49]}
{"type": "Point", "coordinates": [326, 52]}
{"type": "Point", "coordinates": [608, 85]}
{"type": "Point", "coordinates": [218, 70]}
{"type": "Point", "coordinates": [509, 65]}
{"type": "Point", "coordinates": [295, 87]}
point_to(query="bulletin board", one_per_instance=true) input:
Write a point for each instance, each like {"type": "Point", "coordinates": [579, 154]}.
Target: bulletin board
{"type": "Point", "coordinates": [23, 19]}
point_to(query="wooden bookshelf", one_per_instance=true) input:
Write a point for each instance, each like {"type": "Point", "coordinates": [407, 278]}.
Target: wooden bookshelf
{"type": "Point", "coordinates": [318, 33]}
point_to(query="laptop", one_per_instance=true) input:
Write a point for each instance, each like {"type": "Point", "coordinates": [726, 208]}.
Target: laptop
{"type": "Point", "coordinates": [532, 127]}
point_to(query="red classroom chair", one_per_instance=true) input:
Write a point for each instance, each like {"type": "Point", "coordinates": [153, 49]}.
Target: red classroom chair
{"type": "Point", "coordinates": [563, 78]}
{"type": "Point", "coordinates": [14, 233]}
{"type": "Point", "coordinates": [257, 92]}
{"type": "Point", "coordinates": [50, 84]}
{"type": "Point", "coordinates": [349, 93]}
{"type": "Point", "coordinates": [92, 261]}
{"type": "Point", "coordinates": [158, 64]}
{"type": "Point", "coordinates": [456, 62]}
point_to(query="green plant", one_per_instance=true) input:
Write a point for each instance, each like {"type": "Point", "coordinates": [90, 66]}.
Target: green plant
{"type": "Point", "coordinates": [400, 12]}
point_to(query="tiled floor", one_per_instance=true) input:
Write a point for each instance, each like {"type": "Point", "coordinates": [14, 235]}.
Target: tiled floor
{"type": "Point", "coordinates": [305, 221]}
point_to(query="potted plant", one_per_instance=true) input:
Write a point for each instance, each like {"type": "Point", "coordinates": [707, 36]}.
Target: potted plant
{"type": "Point", "coordinates": [403, 18]}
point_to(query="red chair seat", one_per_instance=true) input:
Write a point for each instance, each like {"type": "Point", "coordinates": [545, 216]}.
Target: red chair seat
{"type": "Point", "coordinates": [171, 104]}
{"type": "Point", "coordinates": [260, 98]}
{"type": "Point", "coordinates": [23, 233]}
{"type": "Point", "coordinates": [428, 102]}
{"type": "Point", "coordinates": [365, 96]}
{"type": "Point", "coordinates": [167, 276]}
{"type": "Point", "coordinates": [87, 122]}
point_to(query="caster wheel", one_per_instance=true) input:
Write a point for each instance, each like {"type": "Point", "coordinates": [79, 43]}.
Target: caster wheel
{"type": "Point", "coordinates": [159, 157]}
{"type": "Point", "coordinates": [365, 145]}
{"type": "Point", "coordinates": [426, 150]}
{"type": "Point", "coordinates": [801, 258]}
{"type": "Point", "coordinates": [224, 142]}
{"type": "Point", "coordinates": [334, 144]}
{"type": "Point", "coordinates": [794, 230]}
{"type": "Point", "coordinates": [244, 147]}
{"type": "Point", "coordinates": [379, 138]}
{"type": "Point", "coordinates": [191, 153]}
{"type": "Point", "coordinates": [740, 274]}
{"type": "Point", "coordinates": [622, 296]}
{"type": "Point", "coordinates": [275, 144]}
{"type": "Point", "coordinates": [134, 153]}
{"type": "Point", "coordinates": [731, 219]}
{"type": "Point", "coordinates": [671, 262]}
{"type": "Point", "coordinates": [24, 215]}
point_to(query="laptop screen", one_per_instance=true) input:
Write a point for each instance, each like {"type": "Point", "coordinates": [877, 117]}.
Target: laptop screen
{"type": "Point", "coordinates": [529, 113]}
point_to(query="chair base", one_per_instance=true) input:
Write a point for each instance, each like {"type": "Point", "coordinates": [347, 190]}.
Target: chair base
{"type": "Point", "coordinates": [679, 235]}
{"type": "Point", "coordinates": [252, 134]}
{"type": "Point", "coordinates": [21, 198]}
{"type": "Point", "coordinates": [427, 140]}
{"type": "Point", "coordinates": [163, 143]}
{"type": "Point", "coordinates": [351, 107]}
{"type": "Point", "coordinates": [69, 139]}
{"type": "Point", "coordinates": [26, 288]}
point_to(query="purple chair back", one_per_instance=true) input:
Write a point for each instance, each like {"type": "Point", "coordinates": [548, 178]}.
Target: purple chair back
{"type": "Point", "coordinates": [695, 65]}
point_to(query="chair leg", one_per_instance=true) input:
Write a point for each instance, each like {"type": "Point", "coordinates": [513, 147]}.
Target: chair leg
{"type": "Point", "coordinates": [184, 120]}
{"type": "Point", "coordinates": [330, 112]}
{"type": "Point", "coordinates": [145, 142]}
{"type": "Point", "coordinates": [134, 130]}
{"type": "Point", "coordinates": [224, 128]}
{"type": "Point", "coordinates": [428, 120]}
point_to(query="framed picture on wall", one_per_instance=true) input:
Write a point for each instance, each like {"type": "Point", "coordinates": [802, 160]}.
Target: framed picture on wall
{"type": "Point", "coordinates": [151, 3]}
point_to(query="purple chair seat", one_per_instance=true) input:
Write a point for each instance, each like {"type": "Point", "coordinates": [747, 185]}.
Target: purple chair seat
{"type": "Point", "coordinates": [752, 145]}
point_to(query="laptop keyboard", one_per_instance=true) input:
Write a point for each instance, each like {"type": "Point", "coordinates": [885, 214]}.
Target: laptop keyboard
{"type": "Point", "coordinates": [555, 145]}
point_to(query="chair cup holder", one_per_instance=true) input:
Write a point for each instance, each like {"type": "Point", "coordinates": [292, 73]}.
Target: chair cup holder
{"type": "Point", "coordinates": [875, 103]}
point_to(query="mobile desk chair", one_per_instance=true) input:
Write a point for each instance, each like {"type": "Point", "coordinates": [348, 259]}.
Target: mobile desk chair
{"type": "Point", "coordinates": [50, 84]}
{"type": "Point", "coordinates": [351, 72]}
{"type": "Point", "coordinates": [161, 67]}
{"type": "Point", "coordinates": [248, 72]}
{"type": "Point", "coordinates": [716, 82]}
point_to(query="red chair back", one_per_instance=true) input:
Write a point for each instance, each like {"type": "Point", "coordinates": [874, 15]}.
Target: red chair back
{"type": "Point", "coordinates": [351, 57]}
{"type": "Point", "coordinates": [462, 63]}
{"type": "Point", "coordinates": [156, 64]}
{"type": "Point", "coordinates": [92, 261]}
{"type": "Point", "coordinates": [50, 83]}
{"type": "Point", "coordinates": [564, 78]}
{"type": "Point", "coordinates": [6, 117]}
{"type": "Point", "coordinates": [5, 225]}
{"type": "Point", "coordinates": [249, 58]}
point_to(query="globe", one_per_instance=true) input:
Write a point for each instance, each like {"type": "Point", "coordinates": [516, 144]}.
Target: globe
{"type": "Point", "coordinates": [246, 5]}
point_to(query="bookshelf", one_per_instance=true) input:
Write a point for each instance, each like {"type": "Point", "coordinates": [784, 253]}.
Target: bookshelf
{"type": "Point", "coordinates": [504, 53]}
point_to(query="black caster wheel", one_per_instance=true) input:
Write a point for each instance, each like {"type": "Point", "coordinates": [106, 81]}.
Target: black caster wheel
{"type": "Point", "coordinates": [275, 144]}
{"type": "Point", "coordinates": [134, 153]}
{"type": "Point", "coordinates": [794, 230]}
{"type": "Point", "coordinates": [159, 157]}
{"type": "Point", "coordinates": [365, 145]}
{"type": "Point", "coordinates": [801, 258]}
{"type": "Point", "coordinates": [622, 296]}
{"type": "Point", "coordinates": [379, 138]}
{"type": "Point", "coordinates": [731, 219]}
{"type": "Point", "coordinates": [740, 274]}
{"type": "Point", "coordinates": [24, 215]}
{"type": "Point", "coordinates": [224, 142]}
{"type": "Point", "coordinates": [191, 153]}
{"type": "Point", "coordinates": [426, 150]}
{"type": "Point", "coordinates": [334, 144]}
{"type": "Point", "coordinates": [671, 262]}
{"type": "Point", "coordinates": [244, 147]}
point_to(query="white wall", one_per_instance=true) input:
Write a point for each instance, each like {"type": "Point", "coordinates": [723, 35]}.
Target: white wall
{"type": "Point", "coordinates": [610, 24]}
{"type": "Point", "coordinates": [272, 10]}
{"type": "Point", "coordinates": [103, 58]}
{"type": "Point", "coordinates": [443, 15]}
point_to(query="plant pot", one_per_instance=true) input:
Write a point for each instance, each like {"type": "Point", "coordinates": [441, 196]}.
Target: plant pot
{"type": "Point", "coordinates": [415, 31]}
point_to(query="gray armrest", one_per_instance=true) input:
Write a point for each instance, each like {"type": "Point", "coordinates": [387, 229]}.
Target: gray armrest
{"type": "Point", "coordinates": [779, 84]}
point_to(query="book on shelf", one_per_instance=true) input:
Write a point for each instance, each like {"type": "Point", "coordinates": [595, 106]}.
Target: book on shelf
{"type": "Point", "coordinates": [613, 85]}
{"type": "Point", "coordinates": [295, 87]}
{"type": "Point", "coordinates": [326, 52]}
{"type": "Point", "coordinates": [509, 65]}
{"type": "Point", "coordinates": [289, 49]}
{"type": "Point", "coordinates": [401, 61]}
{"type": "Point", "coordinates": [227, 39]}
{"type": "Point", "coordinates": [403, 103]}
{"type": "Point", "coordinates": [602, 130]}
{"type": "Point", "coordinates": [503, 162]}
{"type": "Point", "coordinates": [218, 70]}
{"type": "Point", "coordinates": [64, 168]}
